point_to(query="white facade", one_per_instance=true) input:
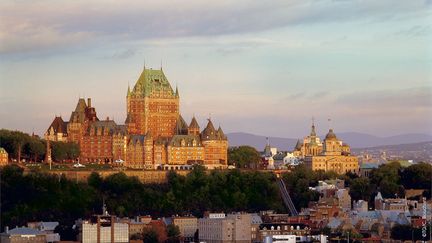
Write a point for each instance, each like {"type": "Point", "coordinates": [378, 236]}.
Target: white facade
{"type": "Point", "coordinates": [90, 233]}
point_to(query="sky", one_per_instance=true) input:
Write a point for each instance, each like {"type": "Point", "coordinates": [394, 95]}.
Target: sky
{"type": "Point", "coordinates": [262, 67]}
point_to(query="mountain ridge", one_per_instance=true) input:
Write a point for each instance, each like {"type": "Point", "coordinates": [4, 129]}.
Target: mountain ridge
{"type": "Point", "coordinates": [354, 139]}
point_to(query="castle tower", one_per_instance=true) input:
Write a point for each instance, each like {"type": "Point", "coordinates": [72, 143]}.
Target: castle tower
{"type": "Point", "coordinates": [194, 128]}
{"type": "Point", "coordinates": [152, 105]}
{"type": "Point", "coordinates": [215, 145]}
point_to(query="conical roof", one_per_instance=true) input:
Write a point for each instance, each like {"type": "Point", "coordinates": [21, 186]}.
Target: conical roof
{"type": "Point", "coordinates": [194, 123]}
{"type": "Point", "coordinates": [181, 126]}
{"type": "Point", "coordinates": [221, 134]}
{"type": "Point", "coordinates": [298, 145]}
{"type": "Point", "coordinates": [209, 133]}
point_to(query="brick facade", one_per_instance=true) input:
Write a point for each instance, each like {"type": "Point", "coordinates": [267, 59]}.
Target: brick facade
{"type": "Point", "coordinates": [155, 135]}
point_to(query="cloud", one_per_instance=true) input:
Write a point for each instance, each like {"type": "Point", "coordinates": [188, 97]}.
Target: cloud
{"type": "Point", "coordinates": [420, 97]}
{"type": "Point", "coordinates": [416, 31]}
{"type": "Point", "coordinates": [39, 25]}
{"type": "Point", "coordinates": [124, 54]}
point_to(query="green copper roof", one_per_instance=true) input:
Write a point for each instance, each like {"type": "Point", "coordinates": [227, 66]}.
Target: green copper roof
{"type": "Point", "coordinates": [150, 81]}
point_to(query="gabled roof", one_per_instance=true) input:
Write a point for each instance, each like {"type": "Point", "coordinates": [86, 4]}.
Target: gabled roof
{"type": "Point", "coordinates": [149, 81]}
{"type": "Point", "coordinates": [58, 125]}
{"type": "Point", "coordinates": [24, 231]}
{"type": "Point", "coordinates": [134, 139]}
{"type": "Point", "coordinates": [48, 226]}
{"type": "Point", "coordinates": [162, 141]}
{"type": "Point", "coordinates": [120, 129]}
{"type": "Point", "coordinates": [378, 196]}
{"type": "Point", "coordinates": [109, 125]}
{"type": "Point", "coordinates": [177, 140]}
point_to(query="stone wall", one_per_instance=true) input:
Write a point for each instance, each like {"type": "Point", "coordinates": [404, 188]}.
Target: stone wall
{"type": "Point", "coordinates": [145, 176]}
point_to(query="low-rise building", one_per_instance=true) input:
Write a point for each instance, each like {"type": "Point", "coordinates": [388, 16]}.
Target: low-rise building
{"type": "Point", "coordinates": [276, 229]}
{"type": "Point", "coordinates": [46, 228]}
{"type": "Point", "coordinates": [256, 221]}
{"type": "Point", "coordinates": [360, 206]}
{"type": "Point", "coordinates": [22, 235]}
{"type": "Point", "coordinates": [188, 226]}
{"type": "Point", "coordinates": [231, 228]}
{"type": "Point", "coordinates": [104, 229]}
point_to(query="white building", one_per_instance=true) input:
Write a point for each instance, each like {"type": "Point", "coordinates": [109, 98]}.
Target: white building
{"type": "Point", "coordinates": [104, 229]}
{"type": "Point", "coordinates": [46, 228]}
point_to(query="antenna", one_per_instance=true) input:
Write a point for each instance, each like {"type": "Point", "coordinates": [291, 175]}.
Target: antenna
{"type": "Point", "coordinates": [329, 123]}
{"type": "Point", "coordinates": [144, 64]}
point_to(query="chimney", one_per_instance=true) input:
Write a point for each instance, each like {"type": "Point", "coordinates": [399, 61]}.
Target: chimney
{"type": "Point", "coordinates": [89, 102]}
{"type": "Point", "coordinates": [7, 230]}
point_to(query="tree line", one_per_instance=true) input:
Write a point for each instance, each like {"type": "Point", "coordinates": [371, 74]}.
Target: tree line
{"type": "Point", "coordinates": [55, 198]}
{"type": "Point", "coordinates": [21, 146]}
{"type": "Point", "coordinates": [39, 196]}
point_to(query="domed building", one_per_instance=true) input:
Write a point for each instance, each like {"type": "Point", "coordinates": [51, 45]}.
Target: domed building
{"type": "Point", "coordinates": [335, 156]}
{"type": "Point", "coordinates": [310, 146]}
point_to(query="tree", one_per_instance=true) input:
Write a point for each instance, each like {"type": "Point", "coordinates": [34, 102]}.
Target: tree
{"type": "Point", "coordinates": [95, 180]}
{"type": "Point", "coordinates": [326, 231]}
{"type": "Point", "coordinates": [173, 233]}
{"type": "Point", "coordinates": [150, 236]}
{"type": "Point", "coordinates": [387, 179]}
{"type": "Point", "coordinates": [34, 148]}
{"type": "Point", "coordinates": [65, 151]}
{"type": "Point", "coordinates": [417, 176]}
{"type": "Point", "coordinates": [243, 156]}
{"type": "Point", "coordinates": [406, 232]}
{"type": "Point", "coordinates": [361, 189]}
{"type": "Point", "coordinates": [72, 150]}
{"type": "Point", "coordinates": [298, 183]}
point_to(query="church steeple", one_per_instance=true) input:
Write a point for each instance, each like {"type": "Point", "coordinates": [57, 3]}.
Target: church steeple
{"type": "Point", "coordinates": [313, 132]}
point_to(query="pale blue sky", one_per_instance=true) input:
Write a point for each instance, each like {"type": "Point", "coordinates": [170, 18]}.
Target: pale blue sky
{"type": "Point", "coordinates": [256, 66]}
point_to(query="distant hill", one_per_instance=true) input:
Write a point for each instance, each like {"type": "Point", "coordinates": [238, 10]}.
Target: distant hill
{"type": "Point", "coordinates": [354, 139]}
{"type": "Point", "coordinates": [421, 151]}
